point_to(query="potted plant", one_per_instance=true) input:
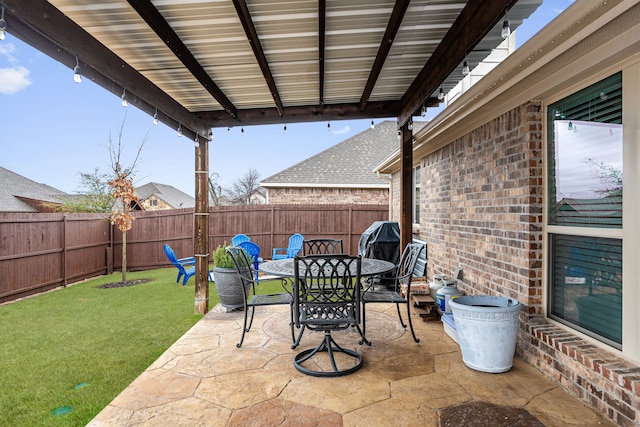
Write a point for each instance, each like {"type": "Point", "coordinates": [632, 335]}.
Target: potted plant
{"type": "Point", "coordinates": [226, 279]}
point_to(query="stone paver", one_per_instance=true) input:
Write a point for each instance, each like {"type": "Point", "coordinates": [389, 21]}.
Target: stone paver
{"type": "Point", "coordinates": [205, 380]}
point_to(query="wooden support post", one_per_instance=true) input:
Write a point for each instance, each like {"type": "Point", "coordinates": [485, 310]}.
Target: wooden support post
{"type": "Point", "coordinates": [406, 186]}
{"type": "Point", "coordinates": [201, 226]}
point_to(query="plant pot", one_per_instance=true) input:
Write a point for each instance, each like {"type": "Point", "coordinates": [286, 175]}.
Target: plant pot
{"type": "Point", "coordinates": [229, 286]}
{"type": "Point", "coordinates": [487, 330]}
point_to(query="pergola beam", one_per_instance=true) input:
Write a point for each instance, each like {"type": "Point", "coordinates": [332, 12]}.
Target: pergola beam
{"type": "Point", "coordinates": [256, 46]}
{"type": "Point", "coordinates": [161, 27]}
{"type": "Point", "coordinates": [322, 27]}
{"type": "Point", "coordinates": [309, 113]}
{"type": "Point", "coordinates": [474, 22]}
{"type": "Point", "coordinates": [44, 27]}
{"type": "Point", "coordinates": [389, 36]}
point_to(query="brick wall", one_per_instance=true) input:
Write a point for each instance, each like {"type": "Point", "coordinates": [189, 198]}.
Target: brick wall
{"type": "Point", "coordinates": [481, 209]}
{"type": "Point", "coordinates": [358, 196]}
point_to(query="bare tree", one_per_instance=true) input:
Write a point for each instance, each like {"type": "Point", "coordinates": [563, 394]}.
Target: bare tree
{"type": "Point", "coordinates": [243, 190]}
{"type": "Point", "coordinates": [215, 190]}
{"type": "Point", "coordinates": [123, 190]}
{"type": "Point", "coordinates": [610, 177]}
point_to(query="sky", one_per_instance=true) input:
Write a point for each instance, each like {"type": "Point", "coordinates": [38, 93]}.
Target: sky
{"type": "Point", "coordinates": [52, 129]}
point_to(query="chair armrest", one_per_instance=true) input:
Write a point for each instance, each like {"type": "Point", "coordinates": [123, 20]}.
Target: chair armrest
{"type": "Point", "coordinates": [187, 261]}
{"type": "Point", "coordinates": [279, 251]}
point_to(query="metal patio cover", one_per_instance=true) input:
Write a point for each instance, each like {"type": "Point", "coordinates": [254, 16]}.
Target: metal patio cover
{"type": "Point", "coordinates": [205, 64]}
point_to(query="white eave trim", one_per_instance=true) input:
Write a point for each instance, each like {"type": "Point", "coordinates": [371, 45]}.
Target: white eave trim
{"type": "Point", "coordinates": [581, 44]}
{"type": "Point", "coordinates": [313, 185]}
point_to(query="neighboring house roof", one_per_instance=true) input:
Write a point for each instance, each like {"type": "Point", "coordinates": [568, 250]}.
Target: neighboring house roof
{"type": "Point", "coordinates": [348, 164]}
{"type": "Point", "coordinates": [168, 194]}
{"type": "Point", "coordinates": [606, 211]}
{"type": "Point", "coordinates": [14, 187]}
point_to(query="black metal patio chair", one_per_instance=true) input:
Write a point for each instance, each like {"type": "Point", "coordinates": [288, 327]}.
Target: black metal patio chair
{"type": "Point", "coordinates": [322, 246]}
{"type": "Point", "coordinates": [403, 274]}
{"type": "Point", "coordinates": [250, 287]}
{"type": "Point", "coordinates": [326, 294]}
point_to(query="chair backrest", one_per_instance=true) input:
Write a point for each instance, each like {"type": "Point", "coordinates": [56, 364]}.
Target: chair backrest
{"type": "Point", "coordinates": [326, 291]}
{"type": "Point", "coordinates": [295, 245]}
{"type": "Point", "coordinates": [253, 250]}
{"type": "Point", "coordinates": [322, 247]}
{"type": "Point", "coordinates": [171, 256]}
{"type": "Point", "coordinates": [242, 264]}
{"type": "Point", "coordinates": [239, 238]}
{"type": "Point", "coordinates": [408, 260]}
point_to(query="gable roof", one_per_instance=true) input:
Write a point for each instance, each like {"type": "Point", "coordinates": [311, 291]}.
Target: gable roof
{"type": "Point", "coordinates": [14, 187]}
{"type": "Point", "coordinates": [348, 164]}
{"type": "Point", "coordinates": [170, 195]}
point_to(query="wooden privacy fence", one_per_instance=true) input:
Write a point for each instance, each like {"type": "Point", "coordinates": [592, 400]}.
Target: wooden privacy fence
{"type": "Point", "coordinates": [39, 251]}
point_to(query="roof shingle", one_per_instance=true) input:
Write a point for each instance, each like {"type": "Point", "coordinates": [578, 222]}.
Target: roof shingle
{"type": "Point", "coordinates": [349, 163]}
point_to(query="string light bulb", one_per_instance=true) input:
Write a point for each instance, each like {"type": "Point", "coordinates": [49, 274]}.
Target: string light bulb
{"type": "Point", "coordinates": [329, 126]}
{"type": "Point", "coordinates": [285, 129]}
{"type": "Point", "coordinates": [3, 25]}
{"type": "Point", "coordinates": [155, 117]}
{"type": "Point", "coordinates": [465, 67]}
{"type": "Point", "coordinates": [197, 141]}
{"type": "Point", "coordinates": [441, 94]}
{"type": "Point", "coordinates": [179, 129]}
{"type": "Point", "coordinates": [77, 74]}
{"type": "Point", "coordinates": [506, 27]}
{"type": "Point", "coordinates": [125, 102]}
{"type": "Point", "coordinates": [373, 126]}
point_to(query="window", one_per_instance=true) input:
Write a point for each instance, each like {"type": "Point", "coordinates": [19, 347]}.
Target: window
{"type": "Point", "coordinates": [584, 221]}
{"type": "Point", "coordinates": [416, 195]}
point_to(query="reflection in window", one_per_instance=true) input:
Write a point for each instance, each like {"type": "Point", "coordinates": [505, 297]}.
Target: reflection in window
{"type": "Point", "coordinates": [584, 146]}
{"type": "Point", "coordinates": [416, 195]}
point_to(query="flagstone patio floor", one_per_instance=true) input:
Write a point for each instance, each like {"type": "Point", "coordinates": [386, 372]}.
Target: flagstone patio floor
{"type": "Point", "coordinates": [205, 380]}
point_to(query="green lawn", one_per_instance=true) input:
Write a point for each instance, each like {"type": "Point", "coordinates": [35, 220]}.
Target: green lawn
{"type": "Point", "coordinates": [77, 348]}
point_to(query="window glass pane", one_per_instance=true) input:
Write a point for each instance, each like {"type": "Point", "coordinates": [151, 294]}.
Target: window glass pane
{"type": "Point", "coordinates": [586, 273]}
{"type": "Point", "coordinates": [416, 195]}
{"type": "Point", "coordinates": [585, 157]}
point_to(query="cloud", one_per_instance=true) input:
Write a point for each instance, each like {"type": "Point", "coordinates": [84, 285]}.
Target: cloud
{"type": "Point", "coordinates": [344, 129]}
{"type": "Point", "coordinates": [13, 79]}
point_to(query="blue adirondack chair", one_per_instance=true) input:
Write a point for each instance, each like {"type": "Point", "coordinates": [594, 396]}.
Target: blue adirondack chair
{"type": "Point", "coordinates": [295, 246]}
{"type": "Point", "coordinates": [252, 250]}
{"type": "Point", "coordinates": [181, 264]}
{"type": "Point", "coordinates": [239, 238]}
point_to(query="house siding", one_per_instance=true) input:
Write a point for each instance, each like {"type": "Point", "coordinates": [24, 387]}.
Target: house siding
{"type": "Point", "coordinates": [160, 204]}
{"type": "Point", "coordinates": [482, 210]}
{"type": "Point", "coordinates": [297, 196]}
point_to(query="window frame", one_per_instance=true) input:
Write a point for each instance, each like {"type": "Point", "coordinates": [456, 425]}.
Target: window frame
{"type": "Point", "coordinates": [551, 230]}
{"type": "Point", "coordinates": [416, 197]}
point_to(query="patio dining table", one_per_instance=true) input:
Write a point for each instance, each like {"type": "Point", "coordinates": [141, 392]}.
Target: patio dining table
{"type": "Point", "coordinates": [284, 267]}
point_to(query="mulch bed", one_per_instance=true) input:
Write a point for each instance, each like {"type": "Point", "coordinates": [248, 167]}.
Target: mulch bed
{"type": "Point", "coordinates": [123, 284]}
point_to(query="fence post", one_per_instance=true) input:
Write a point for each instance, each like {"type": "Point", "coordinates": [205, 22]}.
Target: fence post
{"type": "Point", "coordinates": [64, 251]}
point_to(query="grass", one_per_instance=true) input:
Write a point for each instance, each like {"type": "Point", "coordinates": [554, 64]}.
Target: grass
{"type": "Point", "coordinates": [80, 346]}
